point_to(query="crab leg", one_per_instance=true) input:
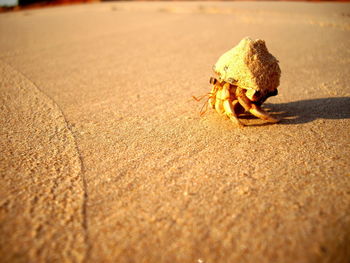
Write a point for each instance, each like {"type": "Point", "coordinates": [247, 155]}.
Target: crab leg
{"type": "Point", "coordinates": [229, 106]}
{"type": "Point", "coordinates": [256, 110]}
{"type": "Point", "coordinates": [218, 101]}
{"type": "Point", "coordinates": [212, 96]}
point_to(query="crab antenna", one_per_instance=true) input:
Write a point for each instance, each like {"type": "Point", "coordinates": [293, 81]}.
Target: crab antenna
{"type": "Point", "coordinates": [202, 112]}
{"type": "Point", "coordinates": [201, 97]}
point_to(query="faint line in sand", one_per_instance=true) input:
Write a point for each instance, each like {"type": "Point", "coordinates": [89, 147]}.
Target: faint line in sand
{"type": "Point", "coordinates": [82, 167]}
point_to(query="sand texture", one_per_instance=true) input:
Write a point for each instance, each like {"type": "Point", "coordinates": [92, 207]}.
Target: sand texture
{"type": "Point", "coordinates": [104, 157]}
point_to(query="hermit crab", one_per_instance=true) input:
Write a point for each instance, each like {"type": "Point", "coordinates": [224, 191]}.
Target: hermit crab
{"type": "Point", "coordinates": [246, 76]}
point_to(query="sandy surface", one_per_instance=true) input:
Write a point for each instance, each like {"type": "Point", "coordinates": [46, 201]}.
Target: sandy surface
{"type": "Point", "coordinates": [104, 157]}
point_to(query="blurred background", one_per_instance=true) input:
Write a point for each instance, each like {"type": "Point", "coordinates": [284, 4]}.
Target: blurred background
{"type": "Point", "coordinates": [11, 5]}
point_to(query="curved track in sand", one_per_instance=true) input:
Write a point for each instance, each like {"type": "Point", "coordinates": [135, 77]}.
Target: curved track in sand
{"type": "Point", "coordinates": [42, 192]}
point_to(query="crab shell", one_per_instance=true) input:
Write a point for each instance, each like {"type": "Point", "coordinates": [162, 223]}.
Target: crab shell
{"type": "Point", "coordinates": [250, 66]}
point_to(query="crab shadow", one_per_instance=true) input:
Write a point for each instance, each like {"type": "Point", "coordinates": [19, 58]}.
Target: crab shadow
{"type": "Point", "coordinates": [304, 111]}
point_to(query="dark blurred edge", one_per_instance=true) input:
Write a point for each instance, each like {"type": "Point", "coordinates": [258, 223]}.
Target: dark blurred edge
{"type": "Point", "coordinates": [52, 2]}
{"type": "Point", "coordinates": [29, 4]}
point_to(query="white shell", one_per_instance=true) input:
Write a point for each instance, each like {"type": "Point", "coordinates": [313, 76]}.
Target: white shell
{"type": "Point", "coordinates": [249, 65]}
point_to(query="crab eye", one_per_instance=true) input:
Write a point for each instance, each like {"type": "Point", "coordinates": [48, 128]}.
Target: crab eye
{"type": "Point", "coordinates": [213, 80]}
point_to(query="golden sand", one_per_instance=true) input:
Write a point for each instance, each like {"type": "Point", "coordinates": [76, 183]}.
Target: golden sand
{"type": "Point", "coordinates": [103, 157]}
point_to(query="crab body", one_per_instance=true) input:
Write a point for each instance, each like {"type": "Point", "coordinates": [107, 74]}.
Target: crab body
{"type": "Point", "coordinates": [246, 76]}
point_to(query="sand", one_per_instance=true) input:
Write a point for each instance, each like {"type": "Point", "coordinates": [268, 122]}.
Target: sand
{"type": "Point", "coordinates": [104, 157]}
